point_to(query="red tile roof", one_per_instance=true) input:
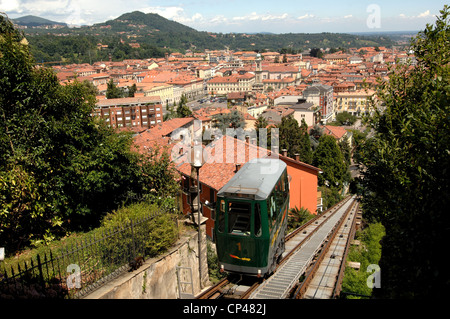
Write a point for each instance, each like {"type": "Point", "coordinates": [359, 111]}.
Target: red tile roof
{"type": "Point", "coordinates": [225, 153]}
{"type": "Point", "coordinates": [167, 127]}
{"type": "Point", "coordinates": [158, 136]}
{"type": "Point", "coordinates": [335, 131]}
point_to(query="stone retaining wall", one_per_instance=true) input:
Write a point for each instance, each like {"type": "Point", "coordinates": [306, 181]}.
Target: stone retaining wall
{"type": "Point", "coordinates": [157, 278]}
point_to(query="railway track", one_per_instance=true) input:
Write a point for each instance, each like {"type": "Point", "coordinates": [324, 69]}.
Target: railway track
{"type": "Point", "coordinates": [324, 279]}
{"type": "Point", "coordinates": [302, 245]}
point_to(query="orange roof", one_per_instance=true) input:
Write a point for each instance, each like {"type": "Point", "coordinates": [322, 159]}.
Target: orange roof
{"type": "Point", "coordinates": [167, 127]}
{"type": "Point", "coordinates": [221, 167]}
{"type": "Point", "coordinates": [210, 111]}
{"type": "Point", "coordinates": [148, 141]}
{"type": "Point", "coordinates": [275, 68]}
{"type": "Point", "coordinates": [336, 131]}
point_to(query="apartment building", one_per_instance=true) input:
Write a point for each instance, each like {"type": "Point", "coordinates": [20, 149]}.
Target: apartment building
{"type": "Point", "coordinates": [354, 102]}
{"type": "Point", "coordinates": [163, 90]}
{"type": "Point", "coordinates": [191, 86]}
{"type": "Point", "coordinates": [321, 95]}
{"type": "Point", "coordinates": [233, 83]}
{"type": "Point", "coordinates": [302, 109]}
{"type": "Point", "coordinates": [131, 112]}
{"type": "Point", "coordinates": [336, 57]}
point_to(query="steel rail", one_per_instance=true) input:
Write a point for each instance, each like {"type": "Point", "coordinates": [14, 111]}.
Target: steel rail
{"type": "Point", "coordinates": [213, 290]}
{"type": "Point", "coordinates": [340, 276]}
{"type": "Point", "coordinates": [327, 214]}
{"type": "Point", "coordinates": [316, 223]}
{"type": "Point", "coordinates": [305, 285]}
{"type": "Point", "coordinates": [278, 286]}
{"type": "Point", "coordinates": [313, 222]}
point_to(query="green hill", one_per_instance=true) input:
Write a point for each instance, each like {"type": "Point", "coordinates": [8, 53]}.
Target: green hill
{"type": "Point", "coordinates": [144, 22]}
{"type": "Point", "coordinates": [157, 35]}
{"type": "Point", "coordinates": [34, 21]}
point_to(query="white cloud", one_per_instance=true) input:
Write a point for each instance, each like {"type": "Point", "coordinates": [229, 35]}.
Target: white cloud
{"type": "Point", "coordinates": [171, 13]}
{"type": "Point", "coordinates": [69, 11]}
{"type": "Point", "coordinates": [174, 13]}
{"type": "Point", "coordinates": [276, 17]}
{"type": "Point", "coordinates": [73, 12]}
{"type": "Point", "coordinates": [306, 16]}
{"type": "Point", "coordinates": [261, 17]}
{"type": "Point", "coordinates": [197, 16]}
{"type": "Point", "coordinates": [219, 19]}
{"type": "Point", "coordinates": [10, 6]}
{"type": "Point", "coordinates": [348, 16]}
{"type": "Point", "coordinates": [424, 14]}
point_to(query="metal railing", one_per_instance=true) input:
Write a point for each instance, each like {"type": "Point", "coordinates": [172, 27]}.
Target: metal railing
{"type": "Point", "coordinates": [80, 267]}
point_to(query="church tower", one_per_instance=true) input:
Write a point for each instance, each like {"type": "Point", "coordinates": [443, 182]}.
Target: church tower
{"type": "Point", "coordinates": [258, 86]}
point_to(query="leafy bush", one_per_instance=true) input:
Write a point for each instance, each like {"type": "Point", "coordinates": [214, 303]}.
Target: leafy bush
{"type": "Point", "coordinates": [298, 217]}
{"type": "Point", "coordinates": [141, 229]}
{"type": "Point", "coordinates": [163, 233]}
{"type": "Point", "coordinates": [213, 264]}
{"type": "Point", "coordinates": [368, 253]}
{"type": "Point", "coordinates": [137, 230]}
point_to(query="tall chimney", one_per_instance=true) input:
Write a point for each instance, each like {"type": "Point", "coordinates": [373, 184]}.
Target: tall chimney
{"type": "Point", "coordinates": [284, 152]}
{"type": "Point", "coordinates": [297, 157]}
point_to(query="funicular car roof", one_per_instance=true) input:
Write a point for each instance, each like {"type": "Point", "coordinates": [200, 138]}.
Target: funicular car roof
{"type": "Point", "coordinates": [255, 179]}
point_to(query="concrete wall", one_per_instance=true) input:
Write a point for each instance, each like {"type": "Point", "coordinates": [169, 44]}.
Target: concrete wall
{"type": "Point", "coordinates": [157, 278]}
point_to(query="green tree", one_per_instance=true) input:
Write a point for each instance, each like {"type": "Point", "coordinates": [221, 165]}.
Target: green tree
{"type": "Point", "coordinates": [113, 91]}
{"type": "Point", "coordinates": [91, 88]}
{"type": "Point", "coordinates": [232, 120]}
{"type": "Point", "coordinates": [328, 157]}
{"type": "Point", "coordinates": [262, 123]}
{"type": "Point", "coordinates": [132, 90]}
{"type": "Point", "coordinates": [305, 151]}
{"type": "Point", "coordinates": [289, 135]}
{"type": "Point", "coordinates": [345, 118]}
{"type": "Point", "coordinates": [316, 131]}
{"type": "Point", "coordinates": [316, 52]}
{"type": "Point", "coordinates": [406, 176]}
{"type": "Point", "coordinates": [60, 168]}
{"type": "Point", "coordinates": [183, 110]}
{"type": "Point", "coordinates": [295, 139]}
{"type": "Point", "coordinates": [346, 151]}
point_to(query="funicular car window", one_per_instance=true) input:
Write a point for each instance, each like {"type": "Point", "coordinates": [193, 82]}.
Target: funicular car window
{"type": "Point", "coordinates": [221, 217]}
{"type": "Point", "coordinates": [239, 216]}
{"type": "Point", "coordinates": [279, 195]}
{"type": "Point", "coordinates": [271, 211]}
{"type": "Point", "coordinates": [258, 228]}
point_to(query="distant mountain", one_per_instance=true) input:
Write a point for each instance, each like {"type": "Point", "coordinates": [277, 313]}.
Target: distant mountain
{"type": "Point", "coordinates": [141, 35]}
{"type": "Point", "coordinates": [34, 21]}
{"type": "Point", "coordinates": [139, 21]}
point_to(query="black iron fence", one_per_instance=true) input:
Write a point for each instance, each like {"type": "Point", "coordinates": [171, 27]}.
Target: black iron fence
{"type": "Point", "coordinates": [80, 267]}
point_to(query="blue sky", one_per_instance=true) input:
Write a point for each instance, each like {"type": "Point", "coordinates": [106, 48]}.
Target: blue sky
{"type": "Point", "coordinates": [226, 16]}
